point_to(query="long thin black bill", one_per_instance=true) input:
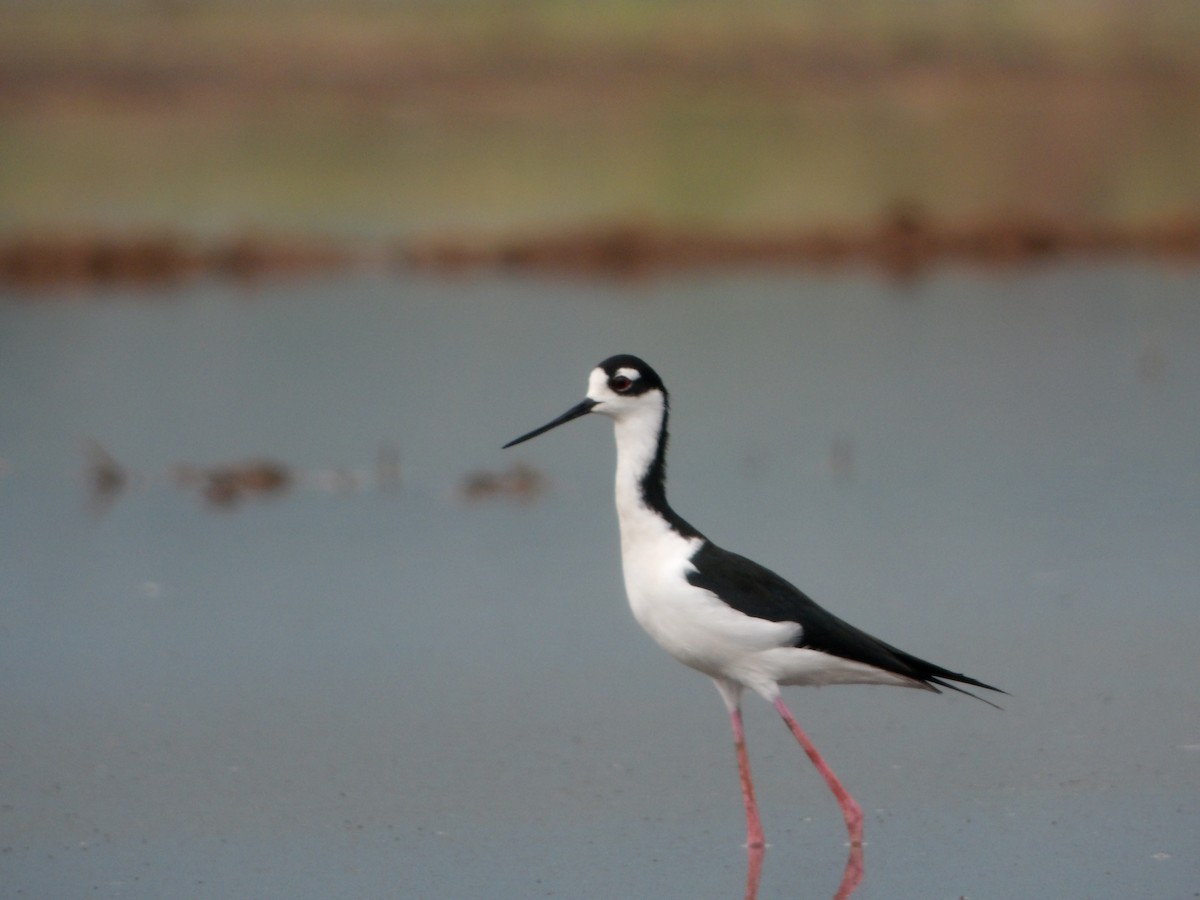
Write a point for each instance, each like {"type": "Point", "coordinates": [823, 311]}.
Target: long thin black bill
{"type": "Point", "coordinates": [581, 409]}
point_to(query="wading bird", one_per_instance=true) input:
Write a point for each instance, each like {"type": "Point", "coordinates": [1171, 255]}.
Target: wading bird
{"type": "Point", "coordinates": [720, 613]}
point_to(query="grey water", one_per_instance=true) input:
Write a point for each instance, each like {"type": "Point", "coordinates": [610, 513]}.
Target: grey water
{"type": "Point", "coordinates": [397, 691]}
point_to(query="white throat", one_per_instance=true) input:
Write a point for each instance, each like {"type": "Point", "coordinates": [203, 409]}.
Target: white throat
{"type": "Point", "coordinates": [655, 557]}
{"type": "Point", "coordinates": [637, 432]}
{"type": "Point", "coordinates": [651, 548]}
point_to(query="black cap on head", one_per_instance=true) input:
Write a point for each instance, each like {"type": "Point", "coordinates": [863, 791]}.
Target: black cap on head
{"type": "Point", "coordinates": [647, 379]}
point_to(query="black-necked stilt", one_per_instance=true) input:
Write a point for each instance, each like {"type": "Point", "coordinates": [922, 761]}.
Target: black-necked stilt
{"type": "Point", "coordinates": [720, 613]}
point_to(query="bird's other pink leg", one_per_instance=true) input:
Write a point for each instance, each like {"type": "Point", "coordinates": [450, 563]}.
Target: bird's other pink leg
{"type": "Point", "coordinates": [754, 832]}
{"type": "Point", "coordinates": [851, 811]}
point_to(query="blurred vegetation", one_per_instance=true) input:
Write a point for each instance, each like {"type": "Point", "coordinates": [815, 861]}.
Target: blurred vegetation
{"type": "Point", "coordinates": [379, 118]}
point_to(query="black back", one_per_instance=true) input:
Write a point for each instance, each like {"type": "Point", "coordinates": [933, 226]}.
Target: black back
{"type": "Point", "coordinates": [757, 591]}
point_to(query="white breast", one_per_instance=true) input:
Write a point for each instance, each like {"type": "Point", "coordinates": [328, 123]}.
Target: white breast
{"type": "Point", "coordinates": [690, 623]}
{"type": "Point", "coordinates": [694, 625]}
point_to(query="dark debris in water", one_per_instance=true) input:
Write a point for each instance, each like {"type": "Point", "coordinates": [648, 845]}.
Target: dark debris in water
{"type": "Point", "coordinates": [518, 482]}
{"type": "Point", "coordinates": [104, 474]}
{"type": "Point", "coordinates": [227, 485]}
{"type": "Point", "coordinates": [106, 478]}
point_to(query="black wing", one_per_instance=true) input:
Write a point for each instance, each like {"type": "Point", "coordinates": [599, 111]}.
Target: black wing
{"type": "Point", "coordinates": [759, 592]}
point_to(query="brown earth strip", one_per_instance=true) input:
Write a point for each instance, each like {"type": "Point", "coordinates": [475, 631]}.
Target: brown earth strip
{"type": "Point", "coordinates": [904, 243]}
{"type": "Point", "coordinates": [46, 260]}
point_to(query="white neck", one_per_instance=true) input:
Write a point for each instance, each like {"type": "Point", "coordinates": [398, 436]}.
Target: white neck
{"type": "Point", "coordinates": [637, 433]}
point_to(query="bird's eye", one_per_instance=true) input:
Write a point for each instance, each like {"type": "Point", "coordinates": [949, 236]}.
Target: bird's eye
{"type": "Point", "coordinates": [620, 383]}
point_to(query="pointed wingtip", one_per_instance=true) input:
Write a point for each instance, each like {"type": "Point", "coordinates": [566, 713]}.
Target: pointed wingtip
{"type": "Point", "coordinates": [954, 687]}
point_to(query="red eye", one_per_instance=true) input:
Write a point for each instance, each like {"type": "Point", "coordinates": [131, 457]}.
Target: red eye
{"type": "Point", "coordinates": [620, 383]}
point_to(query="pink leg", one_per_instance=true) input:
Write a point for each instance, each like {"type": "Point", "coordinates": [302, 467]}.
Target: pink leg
{"type": "Point", "coordinates": [851, 811]}
{"type": "Point", "coordinates": [754, 864]}
{"type": "Point", "coordinates": [754, 832]}
{"type": "Point", "coordinates": [852, 875]}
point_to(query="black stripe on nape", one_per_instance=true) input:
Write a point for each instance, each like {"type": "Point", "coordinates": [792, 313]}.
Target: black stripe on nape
{"type": "Point", "coordinates": [653, 485]}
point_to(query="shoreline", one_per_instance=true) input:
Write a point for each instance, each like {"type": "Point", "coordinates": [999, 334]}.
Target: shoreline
{"type": "Point", "coordinates": [903, 243]}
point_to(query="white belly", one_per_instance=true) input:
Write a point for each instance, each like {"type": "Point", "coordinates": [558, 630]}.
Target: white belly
{"type": "Point", "coordinates": [690, 623]}
{"type": "Point", "coordinates": [707, 634]}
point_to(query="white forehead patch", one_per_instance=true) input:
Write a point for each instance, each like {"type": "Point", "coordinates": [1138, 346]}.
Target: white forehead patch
{"type": "Point", "coordinates": [598, 387]}
{"type": "Point", "coordinates": [597, 383]}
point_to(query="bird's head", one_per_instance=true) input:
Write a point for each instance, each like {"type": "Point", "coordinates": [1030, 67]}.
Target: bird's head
{"type": "Point", "coordinates": [624, 388]}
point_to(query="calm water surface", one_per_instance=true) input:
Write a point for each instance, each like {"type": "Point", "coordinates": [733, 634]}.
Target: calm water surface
{"type": "Point", "coordinates": [398, 693]}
